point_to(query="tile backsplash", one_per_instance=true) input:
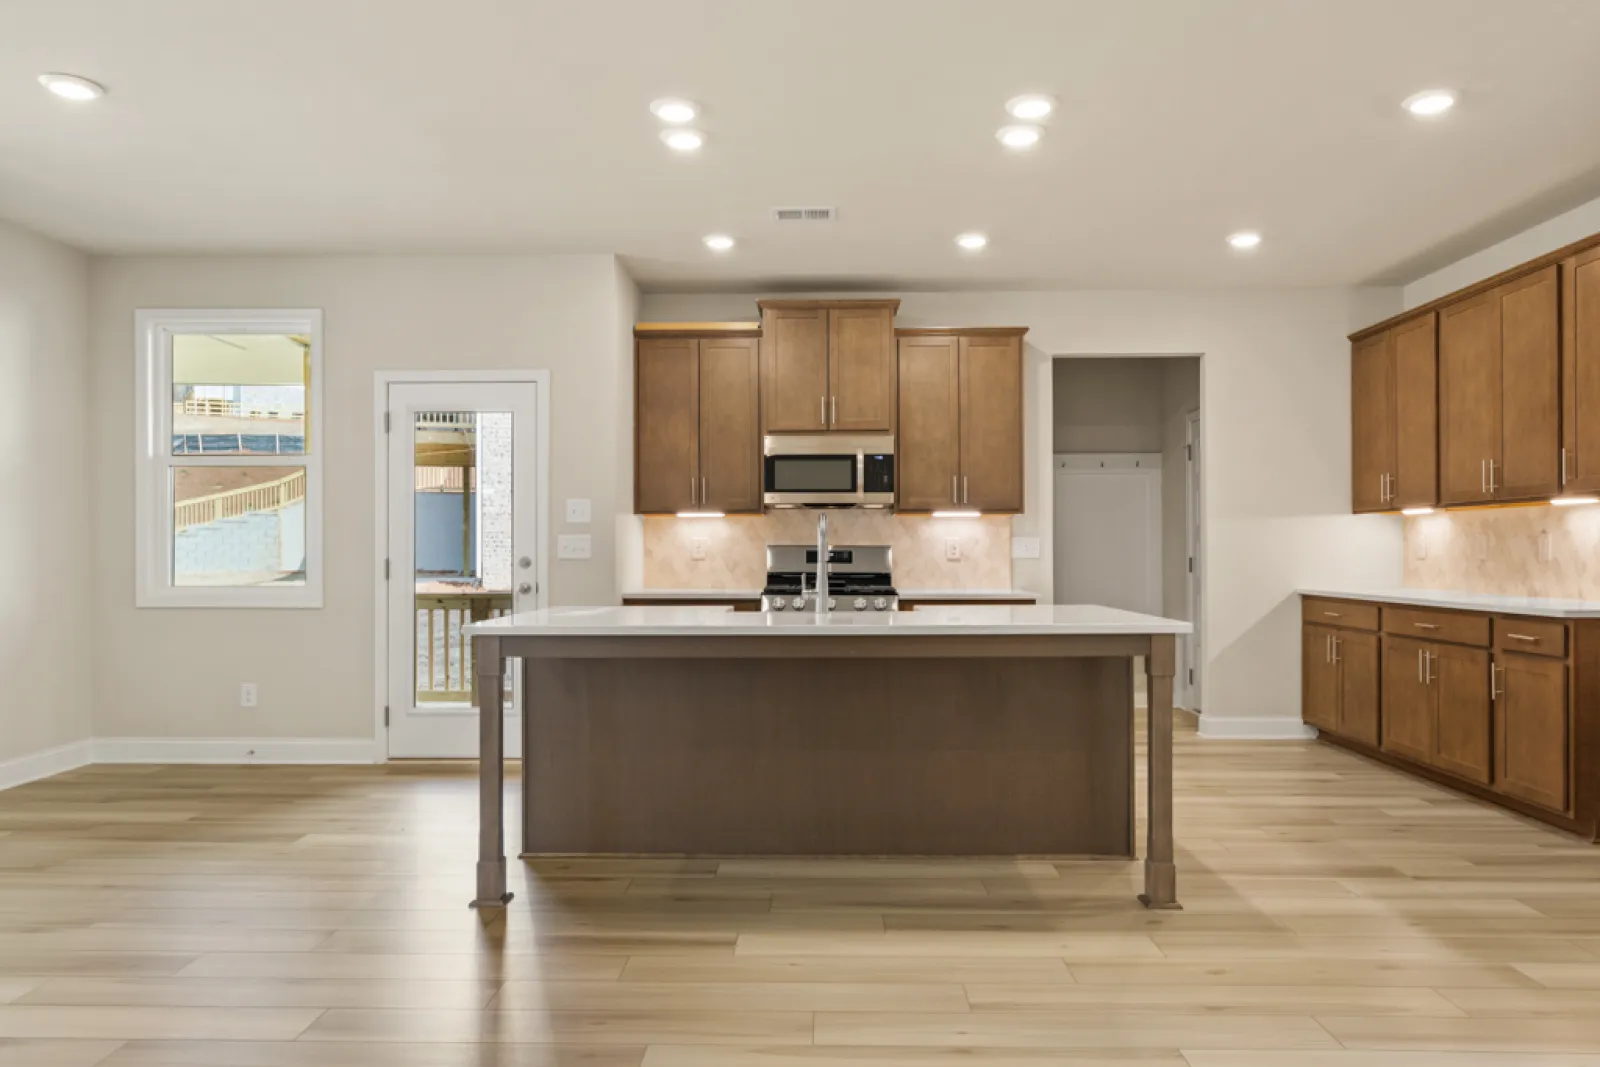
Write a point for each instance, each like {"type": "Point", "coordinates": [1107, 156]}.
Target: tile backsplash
{"type": "Point", "coordinates": [1537, 551]}
{"type": "Point", "coordinates": [734, 548]}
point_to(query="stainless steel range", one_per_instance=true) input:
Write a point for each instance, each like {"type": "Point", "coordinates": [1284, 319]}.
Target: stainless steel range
{"type": "Point", "coordinates": [859, 578]}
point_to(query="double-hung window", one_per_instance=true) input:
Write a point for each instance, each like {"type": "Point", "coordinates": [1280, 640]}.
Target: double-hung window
{"type": "Point", "coordinates": [229, 459]}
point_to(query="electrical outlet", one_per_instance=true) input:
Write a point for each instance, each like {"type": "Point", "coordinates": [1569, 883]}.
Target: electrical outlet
{"type": "Point", "coordinates": [1024, 548]}
{"type": "Point", "coordinates": [574, 546]}
{"type": "Point", "coordinates": [578, 510]}
{"type": "Point", "coordinates": [247, 694]}
{"type": "Point", "coordinates": [952, 548]}
{"type": "Point", "coordinates": [697, 548]}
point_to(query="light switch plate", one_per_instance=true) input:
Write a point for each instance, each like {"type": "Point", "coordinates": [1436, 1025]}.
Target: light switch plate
{"type": "Point", "coordinates": [952, 548]}
{"type": "Point", "coordinates": [574, 546]}
{"type": "Point", "coordinates": [1024, 548]}
{"type": "Point", "coordinates": [578, 510]}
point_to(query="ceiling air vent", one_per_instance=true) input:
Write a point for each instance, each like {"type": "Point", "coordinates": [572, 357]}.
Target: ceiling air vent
{"type": "Point", "coordinates": [804, 214]}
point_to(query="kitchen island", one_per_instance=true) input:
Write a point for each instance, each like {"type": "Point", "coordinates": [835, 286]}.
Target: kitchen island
{"type": "Point", "coordinates": [949, 731]}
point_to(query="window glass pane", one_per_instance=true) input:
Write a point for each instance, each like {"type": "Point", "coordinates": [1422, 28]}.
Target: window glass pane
{"type": "Point", "coordinates": [239, 526]}
{"type": "Point", "coordinates": [462, 508]}
{"type": "Point", "coordinates": [239, 394]}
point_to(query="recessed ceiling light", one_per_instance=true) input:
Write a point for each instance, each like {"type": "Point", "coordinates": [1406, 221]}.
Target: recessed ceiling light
{"type": "Point", "coordinates": [972, 241]}
{"type": "Point", "coordinates": [1429, 102]}
{"type": "Point", "coordinates": [1019, 136]}
{"type": "Point", "coordinates": [72, 87]}
{"type": "Point", "coordinates": [1244, 240]}
{"type": "Point", "coordinates": [674, 111]}
{"type": "Point", "coordinates": [683, 140]}
{"type": "Point", "coordinates": [719, 242]}
{"type": "Point", "coordinates": [1030, 106]}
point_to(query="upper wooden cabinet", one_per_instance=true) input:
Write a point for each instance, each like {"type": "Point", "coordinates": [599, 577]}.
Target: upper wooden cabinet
{"type": "Point", "coordinates": [697, 443]}
{"type": "Point", "coordinates": [1394, 418]}
{"type": "Point", "coordinates": [1580, 373]}
{"type": "Point", "coordinates": [828, 366]}
{"type": "Point", "coordinates": [960, 401]}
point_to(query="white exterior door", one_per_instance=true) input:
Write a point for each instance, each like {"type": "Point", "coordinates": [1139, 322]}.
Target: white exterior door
{"type": "Point", "coordinates": [462, 546]}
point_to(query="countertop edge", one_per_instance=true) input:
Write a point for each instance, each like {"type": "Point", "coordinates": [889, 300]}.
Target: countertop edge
{"type": "Point", "coordinates": [1488, 602]}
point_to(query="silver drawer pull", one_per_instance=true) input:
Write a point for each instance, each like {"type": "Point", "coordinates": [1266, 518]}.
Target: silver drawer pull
{"type": "Point", "coordinates": [1426, 625]}
{"type": "Point", "coordinates": [1334, 614]}
{"type": "Point", "coordinates": [1522, 637]}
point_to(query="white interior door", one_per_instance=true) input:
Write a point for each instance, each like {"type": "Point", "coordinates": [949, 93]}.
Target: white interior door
{"type": "Point", "coordinates": [1108, 531]}
{"type": "Point", "coordinates": [463, 546]}
{"type": "Point", "coordinates": [1192, 657]}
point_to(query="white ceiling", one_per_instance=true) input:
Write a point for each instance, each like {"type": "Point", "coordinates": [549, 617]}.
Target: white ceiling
{"type": "Point", "coordinates": [516, 125]}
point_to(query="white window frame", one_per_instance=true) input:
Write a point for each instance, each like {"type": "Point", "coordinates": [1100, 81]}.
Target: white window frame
{"type": "Point", "coordinates": [153, 458]}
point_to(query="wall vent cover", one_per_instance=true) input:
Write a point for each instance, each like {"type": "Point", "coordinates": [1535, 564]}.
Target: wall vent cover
{"type": "Point", "coordinates": [805, 214]}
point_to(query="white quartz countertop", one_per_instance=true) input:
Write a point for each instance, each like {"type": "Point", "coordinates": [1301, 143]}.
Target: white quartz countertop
{"type": "Point", "coordinates": [968, 594]}
{"type": "Point", "coordinates": [693, 594]}
{"type": "Point", "coordinates": [950, 620]}
{"type": "Point", "coordinates": [1438, 598]}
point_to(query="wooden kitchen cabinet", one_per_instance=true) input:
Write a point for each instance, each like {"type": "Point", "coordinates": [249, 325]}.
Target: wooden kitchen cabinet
{"type": "Point", "coordinates": [828, 366]}
{"type": "Point", "coordinates": [697, 443]}
{"type": "Point", "coordinates": [1458, 681]}
{"type": "Point", "coordinates": [1407, 699]}
{"type": "Point", "coordinates": [1394, 417]}
{"type": "Point", "coordinates": [960, 420]}
{"type": "Point", "coordinates": [1500, 393]}
{"type": "Point", "coordinates": [1580, 376]}
{"type": "Point", "coordinates": [1339, 671]}
{"type": "Point", "coordinates": [1531, 716]}
{"type": "Point", "coordinates": [1319, 678]}
{"type": "Point", "coordinates": [1359, 697]}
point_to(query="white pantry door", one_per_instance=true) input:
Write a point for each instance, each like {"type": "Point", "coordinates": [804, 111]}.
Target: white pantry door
{"type": "Point", "coordinates": [463, 516]}
{"type": "Point", "coordinates": [1108, 530]}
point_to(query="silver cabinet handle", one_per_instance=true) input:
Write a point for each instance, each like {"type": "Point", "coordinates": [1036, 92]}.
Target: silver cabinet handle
{"type": "Point", "coordinates": [1327, 648]}
{"type": "Point", "coordinates": [963, 488]}
{"type": "Point", "coordinates": [1335, 648]}
{"type": "Point", "coordinates": [1419, 664]}
{"type": "Point", "coordinates": [692, 487]}
{"type": "Point", "coordinates": [955, 497]}
{"type": "Point", "coordinates": [1492, 486]}
{"type": "Point", "coordinates": [833, 402]}
{"type": "Point", "coordinates": [1427, 667]}
{"type": "Point", "coordinates": [1563, 464]}
{"type": "Point", "coordinates": [704, 496]}
{"type": "Point", "coordinates": [1334, 614]}
{"type": "Point", "coordinates": [1522, 637]}
{"type": "Point", "coordinates": [1483, 476]}
{"type": "Point", "coordinates": [1426, 625]}
{"type": "Point", "coordinates": [822, 410]}
{"type": "Point", "coordinates": [1493, 694]}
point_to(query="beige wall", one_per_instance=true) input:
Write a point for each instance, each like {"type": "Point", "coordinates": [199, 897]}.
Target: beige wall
{"type": "Point", "coordinates": [175, 673]}
{"type": "Point", "coordinates": [44, 493]}
{"type": "Point", "coordinates": [1575, 225]}
{"type": "Point", "coordinates": [1275, 378]}
{"type": "Point", "coordinates": [1533, 551]}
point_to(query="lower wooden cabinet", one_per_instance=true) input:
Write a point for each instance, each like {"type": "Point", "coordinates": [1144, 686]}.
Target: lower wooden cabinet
{"type": "Point", "coordinates": [1504, 707]}
{"type": "Point", "coordinates": [1530, 731]}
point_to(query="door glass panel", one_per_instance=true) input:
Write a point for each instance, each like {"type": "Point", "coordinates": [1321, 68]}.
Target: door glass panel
{"type": "Point", "coordinates": [238, 526]}
{"type": "Point", "coordinates": [462, 514]}
{"type": "Point", "coordinates": [239, 394]}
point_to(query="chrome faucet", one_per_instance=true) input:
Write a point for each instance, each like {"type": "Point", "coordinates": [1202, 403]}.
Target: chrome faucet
{"type": "Point", "coordinates": [822, 563]}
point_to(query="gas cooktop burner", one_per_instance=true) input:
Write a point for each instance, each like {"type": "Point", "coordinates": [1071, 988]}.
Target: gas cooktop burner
{"type": "Point", "coordinates": [859, 578]}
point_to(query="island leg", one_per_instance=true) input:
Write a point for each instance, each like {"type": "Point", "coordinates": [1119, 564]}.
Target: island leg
{"type": "Point", "coordinates": [1160, 874]}
{"type": "Point", "coordinates": [490, 666]}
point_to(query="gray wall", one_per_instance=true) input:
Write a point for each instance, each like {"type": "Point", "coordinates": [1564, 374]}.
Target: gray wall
{"type": "Point", "coordinates": [1107, 405]}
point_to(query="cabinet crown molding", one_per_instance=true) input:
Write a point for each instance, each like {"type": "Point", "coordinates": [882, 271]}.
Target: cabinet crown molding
{"type": "Point", "coordinates": [813, 305]}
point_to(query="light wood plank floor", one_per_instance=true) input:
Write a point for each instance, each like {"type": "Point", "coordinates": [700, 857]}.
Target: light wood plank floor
{"type": "Point", "coordinates": [1337, 915]}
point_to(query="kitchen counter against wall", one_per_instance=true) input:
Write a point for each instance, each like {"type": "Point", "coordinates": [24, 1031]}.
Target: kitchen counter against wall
{"type": "Point", "coordinates": [1551, 607]}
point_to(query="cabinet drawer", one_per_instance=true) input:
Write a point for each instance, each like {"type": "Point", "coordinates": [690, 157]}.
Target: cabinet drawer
{"type": "Point", "coordinates": [1339, 613]}
{"type": "Point", "coordinates": [1539, 637]}
{"type": "Point", "coordinates": [1457, 629]}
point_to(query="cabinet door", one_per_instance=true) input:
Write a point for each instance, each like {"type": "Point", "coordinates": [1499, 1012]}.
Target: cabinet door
{"type": "Point", "coordinates": [1357, 656]}
{"type": "Point", "coordinates": [991, 423]}
{"type": "Point", "coordinates": [1530, 371]}
{"type": "Point", "coordinates": [1371, 423]}
{"type": "Point", "coordinates": [1469, 398]}
{"type": "Point", "coordinates": [927, 454]}
{"type": "Point", "coordinates": [1414, 353]}
{"type": "Point", "coordinates": [730, 434]}
{"type": "Point", "coordinates": [1530, 729]}
{"type": "Point", "coordinates": [1460, 682]}
{"type": "Point", "coordinates": [1580, 279]}
{"type": "Point", "coordinates": [1407, 726]}
{"type": "Point", "coordinates": [666, 471]}
{"type": "Point", "coordinates": [861, 377]}
{"type": "Point", "coordinates": [1319, 679]}
{"type": "Point", "coordinates": [794, 370]}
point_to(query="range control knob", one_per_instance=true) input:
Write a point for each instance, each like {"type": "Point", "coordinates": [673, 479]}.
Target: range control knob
{"type": "Point", "coordinates": [797, 603]}
{"type": "Point", "coordinates": [778, 603]}
{"type": "Point", "coordinates": [860, 604]}
{"type": "Point", "coordinates": [880, 604]}
{"type": "Point", "coordinates": [832, 603]}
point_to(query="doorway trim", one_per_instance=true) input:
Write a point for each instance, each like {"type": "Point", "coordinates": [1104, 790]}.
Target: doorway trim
{"type": "Point", "coordinates": [381, 381]}
{"type": "Point", "coordinates": [1194, 551]}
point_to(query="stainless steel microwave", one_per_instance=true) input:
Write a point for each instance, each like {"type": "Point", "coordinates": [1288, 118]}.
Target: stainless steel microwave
{"type": "Point", "coordinates": [828, 470]}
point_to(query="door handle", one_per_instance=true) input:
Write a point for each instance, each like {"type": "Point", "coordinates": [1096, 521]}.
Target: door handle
{"type": "Point", "coordinates": [524, 588]}
{"type": "Point", "coordinates": [1427, 665]}
{"type": "Point", "coordinates": [1483, 476]}
{"type": "Point", "coordinates": [1327, 648]}
{"type": "Point", "coordinates": [833, 419]}
{"type": "Point", "coordinates": [822, 410]}
{"type": "Point", "coordinates": [963, 488]}
{"type": "Point", "coordinates": [1563, 464]}
{"type": "Point", "coordinates": [704, 495]}
{"type": "Point", "coordinates": [1493, 695]}
{"type": "Point", "coordinates": [692, 486]}
{"type": "Point", "coordinates": [1492, 486]}
{"type": "Point", "coordinates": [1419, 665]}
{"type": "Point", "coordinates": [955, 497]}
{"type": "Point", "coordinates": [1426, 625]}
{"type": "Point", "coordinates": [1335, 647]}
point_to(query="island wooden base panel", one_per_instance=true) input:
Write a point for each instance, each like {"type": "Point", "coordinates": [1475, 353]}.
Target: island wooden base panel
{"type": "Point", "coordinates": [854, 757]}
{"type": "Point", "coordinates": [1337, 913]}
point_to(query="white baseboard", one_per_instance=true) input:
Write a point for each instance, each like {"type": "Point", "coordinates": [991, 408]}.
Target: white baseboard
{"type": "Point", "coordinates": [235, 750]}
{"type": "Point", "coordinates": [1254, 728]}
{"type": "Point", "coordinates": [50, 762]}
